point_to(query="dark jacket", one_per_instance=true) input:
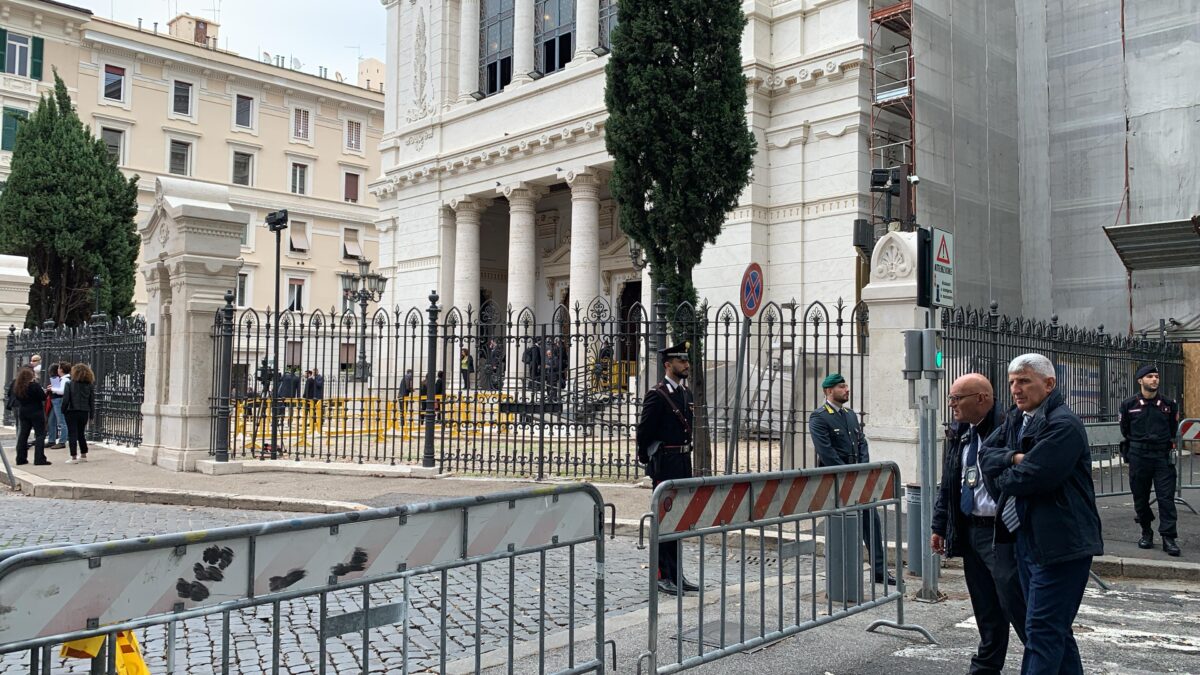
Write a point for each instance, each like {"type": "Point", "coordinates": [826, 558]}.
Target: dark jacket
{"type": "Point", "coordinates": [1149, 424]}
{"type": "Point", "coordinates": [319, 387]}
{"type": "Point", "coordinates": [289, 385]}
{"type": "Point", "coordinates": [659, 422]}
{"type": "Point", "coordinates": [948, 518]}
{"type": "Point", "coordinates": [837, 436]}
{"type": "Point", "coordinates": [31, 404]}
{"type": "Point", "coordinates": [79, 397]}
{"type": "Point", "coordinates": [1053, 484]}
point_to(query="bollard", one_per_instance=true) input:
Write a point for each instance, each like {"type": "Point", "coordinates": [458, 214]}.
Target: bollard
{"type": "Point", "coordinates": [913, 523]}
{"type": "Point", "coordinates": [844, 557]}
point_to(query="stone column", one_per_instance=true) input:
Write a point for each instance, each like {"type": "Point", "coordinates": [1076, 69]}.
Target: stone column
{"type": "Point", "coordinates": [522, 244]}
{"type": "Point", "coordinates": [523, 51]}
{"type": "Point", "coordinates": [585, 236]}
{"type": "Point", "coordinates": [891, 298]}
{"type": "Point", "coordinates": [391, 96]}
{"type": "Point", "coordinates": [14, 291]}
{"type": "Point", "coordinates": [587, 30]}
{"type": "Point", "coordinates": [190, 249]}
{"type": "Point", "coordinates": [468, 50]}
{"type": "Point", "coordinates": [467, 213]}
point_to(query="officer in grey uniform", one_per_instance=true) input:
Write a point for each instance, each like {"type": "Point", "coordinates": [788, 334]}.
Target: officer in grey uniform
{"type": "Point", "coordinates": [1148, 423]}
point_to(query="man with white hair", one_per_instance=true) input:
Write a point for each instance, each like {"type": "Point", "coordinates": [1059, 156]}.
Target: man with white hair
{"type": "Point", "coordinates": [1039, 460]}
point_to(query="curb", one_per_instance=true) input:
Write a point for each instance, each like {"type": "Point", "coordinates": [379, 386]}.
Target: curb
{"type": "Point", "coordinates": [36, 486]}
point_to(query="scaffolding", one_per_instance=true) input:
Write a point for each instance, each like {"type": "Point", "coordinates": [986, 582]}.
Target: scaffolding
{"type": "Point", "coordinates": [893, 119]}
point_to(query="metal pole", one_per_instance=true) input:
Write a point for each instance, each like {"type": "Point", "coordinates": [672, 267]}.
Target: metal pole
{"type": "Point", "coordinates": [224, 374]}
{"type": "Point", "coordinates": [660, 328]}
{"type": "Point", "coordinates": [361, 370]}
{"type": "Point", "coordinates": [274, 384]}
{"type": "Point", "coordinates": [427, 459]}
{"type": "Point", "coordinates": [928, 437]}
{"type": "Point", "coordinates": [743, 347]}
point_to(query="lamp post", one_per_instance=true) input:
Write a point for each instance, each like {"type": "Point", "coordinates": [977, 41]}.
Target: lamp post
{"type": "Point", "coordinates": [277, 222]}
{"type": "Point", "coordinates": [364, 287]}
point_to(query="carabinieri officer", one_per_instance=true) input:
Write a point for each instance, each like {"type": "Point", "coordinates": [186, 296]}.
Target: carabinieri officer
{"type": "Point", "coordinates": [664, 445]}
{"type": "Point", "coordinates": [1148, 423]}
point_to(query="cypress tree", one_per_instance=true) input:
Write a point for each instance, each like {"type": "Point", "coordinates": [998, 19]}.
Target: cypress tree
{"type": "Point", "coordinates": [69, 210]}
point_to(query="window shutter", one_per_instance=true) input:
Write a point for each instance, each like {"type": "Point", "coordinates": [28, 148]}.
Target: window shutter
{"type": "Point", "coordinates": [8, 135]}
{"type": "Point", "coordinates": [35, 63]}
{"type": "Point", "coordinates": [3, 49]}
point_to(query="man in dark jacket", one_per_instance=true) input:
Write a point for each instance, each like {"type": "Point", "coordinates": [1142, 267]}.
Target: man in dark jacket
{"type": "Point", "coordinates": [1148, 425]}
{"type": "Point", "coordinates": [838, 439]}
{"type": "Point", "coordinates": [964, 524]}
{"type": "Point", "coordinates": [1039, 459]}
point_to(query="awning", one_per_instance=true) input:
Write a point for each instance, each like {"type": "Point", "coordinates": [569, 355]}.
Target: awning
{"type": "Point", "coordinates": [352, 249]}
{"type": "Point", "coordinates": [299, 236]}
{"type": "Point", "coordinates": [1168, 244]}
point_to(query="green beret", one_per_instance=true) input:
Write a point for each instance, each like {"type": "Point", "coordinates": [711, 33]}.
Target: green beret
{"type": "Point", "coordinates": [832, 380]}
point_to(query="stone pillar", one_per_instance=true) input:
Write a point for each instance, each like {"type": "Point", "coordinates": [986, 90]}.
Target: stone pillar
{"type": "Point", "coordinates": [467, 212]}
{"type": "Point", "coordinates": [190, 249]}
{"type": "Point", "coordinates": [14, 290]}
{"type": "Point", "coordinates": [587, 30]}
{"type": "Point", "coordinates": [891, 298]}
{"type": "Point", "coordinates": [468, 50]}
{"type": "Point", "coordinates": [523, 51]}
{"type": "Point", "coordinates": [522, 244]}
{"type": "Point", "coordinates": [585, 236]}
{"type": "Point", "coordinates": [391, 96]}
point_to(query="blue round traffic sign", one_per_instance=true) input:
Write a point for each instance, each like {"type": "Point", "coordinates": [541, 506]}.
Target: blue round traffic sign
{"type": "Point", "coordinates": [753, 282]}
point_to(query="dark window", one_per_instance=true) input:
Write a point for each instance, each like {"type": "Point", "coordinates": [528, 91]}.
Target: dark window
{"type": "Point", "coordinates": [241, 289]}
{"type": "Point", "coordinates": [112, 140]}
{"type": "Point", "coordinates": [114, 83]}
{"type": "Point", "coordinates": [8, 135]}
{"type": "Point", "coordinates": [347, 355]}
{"type": "Point", "coordinates": [553, 33]}
{"type": "Point", "coordinates": [180, 158]}
{"type": "Point", "coordinates": [608, 21]}
{"type": "Point", "coordinates": [495, 45]}
{"type": "Point", "coordinates": [243, 164]}
{"type": "Point", "coordinates": [245, 111]}
{"type": "Point", "coordinates": [182, 104]}
{"type": "Point", "coordinates": [351, 187]}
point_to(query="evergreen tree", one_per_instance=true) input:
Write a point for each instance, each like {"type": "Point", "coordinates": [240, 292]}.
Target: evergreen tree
{"type": "Point", "coordinates": [676, 98]}
{"type": "Point", "coordinates": [70, 211]}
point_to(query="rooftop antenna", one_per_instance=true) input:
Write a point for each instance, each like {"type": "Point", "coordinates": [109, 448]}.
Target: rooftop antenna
{"type": "Point", "coordinates": [266, 57]}
{"type": "Point", "coordinates": [339, 76]}
{"type": "Point", "coordinates": [296, 64]}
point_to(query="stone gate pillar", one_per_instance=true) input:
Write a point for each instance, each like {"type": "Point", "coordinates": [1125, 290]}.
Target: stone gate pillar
{"type": "Point", "coordinates": [14, 291]}
{"type": "Point", "coordinates": [191, 245]}
{"type": "Point", "coordinates": [891, 298]}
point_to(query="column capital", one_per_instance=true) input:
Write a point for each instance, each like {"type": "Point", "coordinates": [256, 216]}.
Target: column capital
{"type": "Point", "coordinates": [522, 193]}
{"type": "Point", "coordinates": [584, 178]}
{"type": "Point", "coordinates": [469, 204]}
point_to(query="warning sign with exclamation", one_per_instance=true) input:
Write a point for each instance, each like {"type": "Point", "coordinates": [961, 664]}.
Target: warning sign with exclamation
{"type": "Point", "coordinates": [943, 268]}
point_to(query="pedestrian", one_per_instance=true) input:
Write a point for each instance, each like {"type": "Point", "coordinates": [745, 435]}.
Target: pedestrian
{"type": "Point", "coordinates": [1148, 423]}
{"type": "Point", "coordinates": [35, 362]}
{"type": "Point", "coordinates": [30, 403]}
{"type": "Point", "coordinates": [1039, 459]}
{"type": "Point", "coordinates": [838, 439]}
{"type": "Point", "coordinates": [308, 385]}
{"type": "Point", "coordinates": [466, 367]}
{"type": "Point", "coordinates": [79, 405]}
{"type": "Point", "coordinates": [56, 425]}
{"type": "Point", "coordinates": [439, 386]}
{"type": "Point", "coordinates": [964, 524]}
{"type": "Point", "coordinates": [288, 386]}
{"type": "Point", "coordinates": [318, 385]}
{"type": "Point", "coordinates": [664, 446]}
{"type": "Point", "coordinates": [532, 358]}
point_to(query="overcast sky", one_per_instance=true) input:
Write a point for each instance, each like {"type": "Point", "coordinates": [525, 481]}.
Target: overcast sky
{"type": "Point", "coordinates": [330, 33]}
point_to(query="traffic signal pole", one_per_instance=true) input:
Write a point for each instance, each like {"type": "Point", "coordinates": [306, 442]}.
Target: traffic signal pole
{"type": "Point", "coordinates": [923, 368]}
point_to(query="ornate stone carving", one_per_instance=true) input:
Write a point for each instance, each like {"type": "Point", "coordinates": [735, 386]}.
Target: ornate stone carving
{"type": "Point", "coordinates": [417, 141]}
{"type": "Point", "coordinates": [421, 107]}
{"type": "Point", "coordinates": [893, 261]}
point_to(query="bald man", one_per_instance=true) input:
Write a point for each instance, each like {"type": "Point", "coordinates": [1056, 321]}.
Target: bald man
{"type": "Point", "coordinates": [964, 523]}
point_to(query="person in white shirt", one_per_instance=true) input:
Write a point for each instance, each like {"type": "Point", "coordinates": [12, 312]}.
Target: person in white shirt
{"type": "Point", "coordinates": [56, 425]}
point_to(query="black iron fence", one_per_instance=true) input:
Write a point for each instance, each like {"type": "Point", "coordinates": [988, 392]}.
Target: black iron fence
{"type": "Point", "coordinates": [518, 394]}
{"type": "Point", "coordinates": [1095, 369]}
{"type": "Point", "coordinates": [115, 351]}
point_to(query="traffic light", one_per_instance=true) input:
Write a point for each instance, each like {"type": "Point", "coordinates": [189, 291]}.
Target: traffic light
{"type": "Point", "coordinates": [912, 354]}
{"type": "Point", "coordinates": [932, 356]}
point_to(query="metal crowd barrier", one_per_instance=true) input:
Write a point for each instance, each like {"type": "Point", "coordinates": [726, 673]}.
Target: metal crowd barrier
{"type": "Point", "coordinates": [790, 506]}
{"type": "Point", "coordinates": [55, 595]}
{"type": "Point", "coordinates": [1187, 467]}
{"type": "Point", "coordinates": [1110, 472]}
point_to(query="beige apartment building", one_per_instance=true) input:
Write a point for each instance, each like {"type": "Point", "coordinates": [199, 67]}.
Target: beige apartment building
{"type": "Point", "coordinates": [168, 102]}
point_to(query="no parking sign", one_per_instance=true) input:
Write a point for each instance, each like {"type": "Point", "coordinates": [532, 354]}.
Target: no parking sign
{"type": "Point", "coordinates": [753, 282]}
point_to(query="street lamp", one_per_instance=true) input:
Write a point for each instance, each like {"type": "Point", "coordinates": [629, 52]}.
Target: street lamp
{"type": "Point", "coordinates": [364, 287]}
{"type": "Point", "coordinates": [277, 222]}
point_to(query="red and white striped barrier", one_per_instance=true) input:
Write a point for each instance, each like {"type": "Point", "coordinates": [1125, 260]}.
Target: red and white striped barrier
{"type": "Point", "coordinates": [1189, 430]}
{"type": "Point", "coordinates": [700, 507]}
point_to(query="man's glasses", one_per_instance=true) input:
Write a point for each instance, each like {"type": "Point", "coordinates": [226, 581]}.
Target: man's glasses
{"type": "Point", "coordinates": [955, 398]}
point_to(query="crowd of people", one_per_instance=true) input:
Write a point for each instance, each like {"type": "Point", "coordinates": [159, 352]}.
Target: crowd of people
{"type": "Point", "coordinates": [56, 414]}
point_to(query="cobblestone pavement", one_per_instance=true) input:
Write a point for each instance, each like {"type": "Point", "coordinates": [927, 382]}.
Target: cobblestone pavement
{"type": "Point", "coordinates": [473, 594]}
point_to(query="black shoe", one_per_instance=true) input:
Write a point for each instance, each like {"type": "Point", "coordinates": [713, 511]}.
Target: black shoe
{"type": "Point", "coordinates": [44, 462]}
{"type": "Point", "coordinates": [22, 462]}
{"type": "Point", "coordinates": [1147, 541]}
{"type": "Point", "coordinates": [667, 586]}
{"type": "Point", "coordinates": [689, 587]}
{"type": "Point", "coordinates": [1170, 547]}
{"type": "Point", "coordinates": [891, 580]}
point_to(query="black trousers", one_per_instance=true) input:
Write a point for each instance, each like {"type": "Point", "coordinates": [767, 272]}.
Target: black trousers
{"type": "Point", "coordinates": [36, 424]}
{"type": "Point", "coordinates": [1147, 468]}
{"type": "Point", "coordinates": [76, 425]}
{"type": "Point", "coordinates": [666, 466]}
{"type": "Point", "coordinates": [996, 596]}
{"type": "Point", "coordinates": [872, 531]}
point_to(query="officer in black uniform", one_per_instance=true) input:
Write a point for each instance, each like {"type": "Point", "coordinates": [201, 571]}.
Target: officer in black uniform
{"type": "Point", "coordinates": [664, 445]}
{"type": "Point", "coordinates": [838, 439]}
{"type": "Point", "coordinates": [1148, 423]}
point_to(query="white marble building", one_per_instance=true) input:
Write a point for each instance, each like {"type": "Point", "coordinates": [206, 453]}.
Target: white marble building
{"type": "Point", "coordinates": [494, 164]}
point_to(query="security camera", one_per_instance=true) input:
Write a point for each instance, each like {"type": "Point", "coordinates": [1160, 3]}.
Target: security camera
{"type": "Point", "coordinates": [914, 179]}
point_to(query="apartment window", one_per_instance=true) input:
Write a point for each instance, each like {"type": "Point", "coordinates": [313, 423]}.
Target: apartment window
{"type": "Point", "coordinates": [608, 21]}
{"type": "Point", "coordinates": [114, 83]}
{"type": "Point", "coordinates": [113, 140]}
{"type": "Point", "coordinates": [243, 285]}
{"type": "Point", "coordinates": [347, 356]}
{"type": "Point", "coordinates": [351, 187]}
{"type": "Point", "coordinates": [8, 134]}
{"type": "Point", "coordinates": [295, 296]}
{"type": "Point", "coordinates": [300, 124]}
{"type": "Point", "coordinates": [293, 352]}
{"type": "Point", "coordinates": [298, 237]}
{"type": "Point", "coordinates": [17, 54]}
{"type": "Point", "coordinates": [354, 135]}
{"type": "Point", "coordinates": [244, 111]}
{"type": "Point", "coordinates": [246, 235]}
{"type": "Point", "coordinates": [554, 32]}
{"type": "Point", "coordinates": [180, 162]}
{"type": "Point", "coordinates": [243, 167]}
{"type": "Point", "coordinates": [181, 101]}
{"type": "Point", "coordinates": [299, 182]}
{"type": "Point", "coordinates": [351, 248]}
{"type": "Point", "coordinates": [495, 45]}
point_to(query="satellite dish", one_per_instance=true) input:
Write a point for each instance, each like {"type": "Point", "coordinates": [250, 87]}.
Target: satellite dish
{"type": "Point", "coordinates": [296, 65]}
{"type": "Point", "coordinates": [266, 58]}
{"type": "Point", "coordinates": [339, 76]}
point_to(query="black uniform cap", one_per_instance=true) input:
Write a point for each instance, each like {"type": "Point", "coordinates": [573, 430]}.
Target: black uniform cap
{"type": "Point", "coordinates": [678, 351]}
{"type": "Point", "coordinates": [1145, 370]}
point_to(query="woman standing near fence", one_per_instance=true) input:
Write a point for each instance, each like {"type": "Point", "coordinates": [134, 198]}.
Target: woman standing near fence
{"type": "Point", "coordinates": [31, 413]}
{"type": "Point", "coordinates": [79, 406]}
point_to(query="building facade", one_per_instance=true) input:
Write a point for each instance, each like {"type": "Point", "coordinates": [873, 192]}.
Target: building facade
{"type": "Point", "coordinates": [172, 104]}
